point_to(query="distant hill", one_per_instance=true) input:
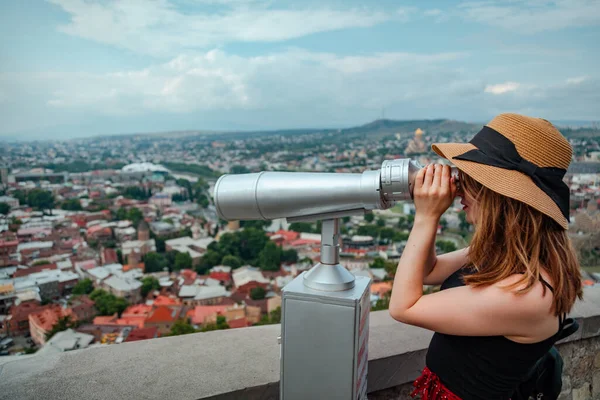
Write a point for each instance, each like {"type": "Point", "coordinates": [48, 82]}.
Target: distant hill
{"type": "Point", "coordinates": [434, 126]}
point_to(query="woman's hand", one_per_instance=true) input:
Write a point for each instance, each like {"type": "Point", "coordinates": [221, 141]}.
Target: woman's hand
{"type": "Point", "coordinates": [434, 191]}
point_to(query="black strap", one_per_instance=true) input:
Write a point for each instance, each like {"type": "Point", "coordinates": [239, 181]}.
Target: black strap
{"type": "Point", "coordinates": [496, 150]}
{"type": "Point", "coordinates": [569, 327]}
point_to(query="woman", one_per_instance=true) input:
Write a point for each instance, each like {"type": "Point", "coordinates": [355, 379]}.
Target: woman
{"type": "Point", "coordinates": [504, 298]}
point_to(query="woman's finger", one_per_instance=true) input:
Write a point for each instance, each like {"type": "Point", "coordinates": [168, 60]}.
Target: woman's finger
{"type": "Point", "coordinates": [428, 180]}
{"type": "Point", "coordinates": [419, 177]}
{"type": "Point", "coordinates": [445, 178]}
{"type": "Point", "coordinates": [437, 175]}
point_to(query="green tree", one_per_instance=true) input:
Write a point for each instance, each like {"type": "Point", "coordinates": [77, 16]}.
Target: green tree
{"type": "Point", "coordinates": [445, 246]}
{"type": "Point", "coordinates": [135, 215]}
{"type": "Point", "coordinates": [380, 222]}
{"type": "Point", "coordinates": [182, 261]}
{"type": "Point", "coordinates": [258, 293]}
{"type": "Point", "coordinates": [232, 261]}
{"type": "Point", "coordinates": [382, 304]}
{"type": "Point", "coordinates": [40, 199]}
{"type": "Point", "coordinates": [62, 324]}
{"type": "Point", "coordinates": [137, 193]}
{"type": "Point", "coordinates": [400, 236]}
{"type": "Point", "coordinates": [149, 283]}
{"type": "Point", "coordinates": [209, 260]}
{"type": "Point", "coordinates": [368, 230]}
{"type": "Point", "coordinates": [444, 223]}
{"type": "Point", "coordinates": [40, 262]}
{"type": "Point", "coordinates": [121, 214]}
{"type": "Point", "coordinates": [181, 327]}
{"type": "Point", "coordinates": [289, 256]}
{"type": "Point", "coordinates": [20, 195]}
{"type": "Point", "coordinates": [108, 303]}
{"type": "Point", "coordinates": [387, 233]}
{"type": "Point", "coordinates": [221, 324]}
{"type": "Point", "coordinates": [252, 242]}
{"type": "Point", "coordinates": [239, 169]}
{"type": "Point", "coordinates": [257, 224]}
{"type": "Point", "coordinates": [274, 317]}
{"type": "Point", "coordinates": [464, 225]}
{"type": "Point", "coordinates": [307, 227]}
{"type": "Point", "coordinates": [378, 262]}
{"type": "Point", "coordinates": [390, 267]}
{"type": "Point", "coordinates": [119, 256]}
{"type": "Point", "coordinates": [155, 262]}
{"type": "Point", "coordinates": [4, 208]}
{"type": "Point", "coordinates": [72, 205]}
{"type": "Point", "coordinates": [85, 286]}
{"type": "Point", "coordinates": [202, 200]}
{"type": "Point", "coordinates": [269, 258]}
{"type": "Point", "coordinates": [369, 217]}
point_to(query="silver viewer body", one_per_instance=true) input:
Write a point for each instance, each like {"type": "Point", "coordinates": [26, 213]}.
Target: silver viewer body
{"type": "Point", "coordinates": [325, 311]}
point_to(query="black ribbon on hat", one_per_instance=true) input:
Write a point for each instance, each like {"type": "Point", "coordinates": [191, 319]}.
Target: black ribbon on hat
{"type": "Point", "coordinates": [496, 150]}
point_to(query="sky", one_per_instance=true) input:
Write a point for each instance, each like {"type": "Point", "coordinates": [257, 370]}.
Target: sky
{"type": "Point", "coordinates": [77, 68]}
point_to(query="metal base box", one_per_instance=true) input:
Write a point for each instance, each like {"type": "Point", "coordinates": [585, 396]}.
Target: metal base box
{"type": "Point", "coordinates": [324, 341]}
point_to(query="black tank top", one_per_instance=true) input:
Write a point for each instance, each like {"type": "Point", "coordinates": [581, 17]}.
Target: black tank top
{"type": "Point", "coordinates": [482, 367]}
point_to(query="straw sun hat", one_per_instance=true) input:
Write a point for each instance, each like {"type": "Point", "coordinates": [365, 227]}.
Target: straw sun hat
{"type": "Point", "coordinates": [519, 157]}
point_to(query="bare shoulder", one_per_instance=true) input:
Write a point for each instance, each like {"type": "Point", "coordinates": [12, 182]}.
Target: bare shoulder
{"type": "Point", "coordinates": [535, 302]}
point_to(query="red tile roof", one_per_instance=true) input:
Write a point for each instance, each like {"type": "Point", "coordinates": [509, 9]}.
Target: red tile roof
{"type": "Point", "coordinates": [142, 334]}
{"type": "Point", "coordinates": [199, 314]}
{"type": "Point", "coordinates": [137, 311]}
{"type": "Point", "coordinates": [32, 270]}
{"type": "Point", "coordinates": [165, 301]}
{"type": "Point", "coordinates": [106, 320]}
{"type": "Point", "coordinates": [220, 276]}
{"type": "Point", "coordinates": [46, 317]}
{"type": "Point", "coordinates": [238, 323]}
{"type": "Point", "coordinates": [110, 256]}
{"type": "Point", "coordinates": [163, 314]}
{"type": "Point", "coordinates": [21, 311]}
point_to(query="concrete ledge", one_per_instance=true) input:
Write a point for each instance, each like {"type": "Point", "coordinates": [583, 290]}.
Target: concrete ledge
{"type": "Point", "coordinates": [230, 364]}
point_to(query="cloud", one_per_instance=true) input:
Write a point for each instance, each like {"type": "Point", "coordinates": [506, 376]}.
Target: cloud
{"type": "Point", "coordinates": [577, 80]}
{"type": "Point", "coordinates": [216, 80]}
{"type": "Point", "coordinates": [159, 28]}
{"type": "Point", "coordinates": [530, 17]}
{"type": "Point", "coordinates": [433, 12]}
{"type": "Point", "coordinates": [502, 88]}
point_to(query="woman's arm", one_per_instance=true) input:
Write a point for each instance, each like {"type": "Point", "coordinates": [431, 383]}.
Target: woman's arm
{"type": "Point", "coordinates": [468, 311]}
{"type": "Point", "coordinates": [434, 192]}
{"type": "Point", "coordinates": [445, 265]}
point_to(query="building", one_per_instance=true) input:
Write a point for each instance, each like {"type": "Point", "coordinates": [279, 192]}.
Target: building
{"type": "Point", "coordinates": [194, 247]}
{"type": "Point", "coordinates": [221, 273]}
{"type": "Point", "coordinates": [162, 318]}
{"type": "Point", "coordinates": [161, 200]}
{"type": "Point", "coordinates": [42, 321]}
{"type": "Point", "coordinates": [142, 334]}
{"type": "Point", "coordinates": [246, 278]}
{"type": "Point", "coordinates": [83, 307]}
{"type": "Point", "coordinates": [123, 286]}
{"type": "Point", "coordinates": [17, 322]}
{"type": "Point", "coordinates": [143, 247]}
{"type": "Point", "coordinates": [11, 201]}
{"type": "Point", "coordinates": [196, 295]}
{"type": "Point", "coordinates": [143, 231]}
{"type": "Point", "coordinates": [67, 340]}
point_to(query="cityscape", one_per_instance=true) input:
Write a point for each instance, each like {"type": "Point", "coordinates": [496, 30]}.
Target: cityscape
{"type": "Point", "coordinates": [112, 240]}
{"type": "Point", "coordinates": [127, 273]}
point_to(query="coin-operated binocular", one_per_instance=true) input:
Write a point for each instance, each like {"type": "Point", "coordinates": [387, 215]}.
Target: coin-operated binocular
{"type": "Point", "coordinates": [325, 311]}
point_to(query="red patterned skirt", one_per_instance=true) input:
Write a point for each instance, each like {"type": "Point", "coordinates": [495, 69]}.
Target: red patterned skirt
{"type": "Point", "coordinates": [428, 385]}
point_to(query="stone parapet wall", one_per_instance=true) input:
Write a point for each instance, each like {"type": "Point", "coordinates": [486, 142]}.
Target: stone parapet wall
{"type": "Point", "coordinates": [244, 364]}
{"type": "Point", "coordinates": [581, 375]}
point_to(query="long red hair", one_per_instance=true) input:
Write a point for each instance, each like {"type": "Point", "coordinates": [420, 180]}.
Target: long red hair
{"type": "Point", "coordinates": [513, 238]}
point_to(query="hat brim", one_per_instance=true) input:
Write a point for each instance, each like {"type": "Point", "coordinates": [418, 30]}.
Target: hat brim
{"type": "Point", "coordinates": [509, 183]}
